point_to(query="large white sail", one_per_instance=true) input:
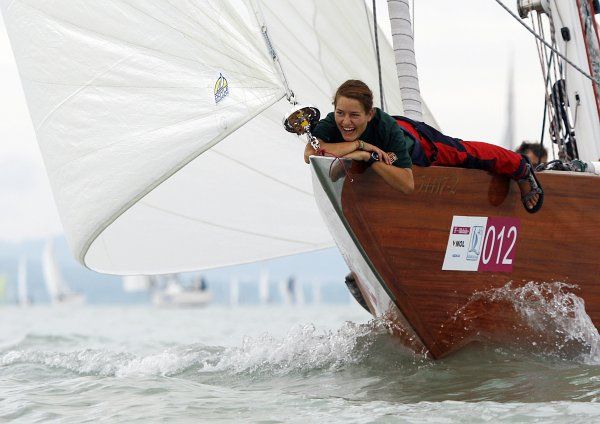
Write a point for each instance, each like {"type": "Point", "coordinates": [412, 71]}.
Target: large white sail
{"type": "Point", "coordinates": [129, 99]}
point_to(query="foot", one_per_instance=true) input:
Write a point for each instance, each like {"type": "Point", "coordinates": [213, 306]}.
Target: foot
{"type": "Point", "coordinates": [532, 194]}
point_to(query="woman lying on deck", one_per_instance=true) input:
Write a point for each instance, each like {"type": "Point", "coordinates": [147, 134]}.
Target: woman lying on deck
{"type": "Point", "coordinates": [358, 131]}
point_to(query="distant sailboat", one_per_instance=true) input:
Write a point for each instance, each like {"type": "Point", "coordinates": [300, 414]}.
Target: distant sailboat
{"type": "Point", "coordinates": [263, 287]}
{"type": "Point", "coordinates": [2, 288]}
{"type": "Point", "coordinates": [58, 290]}
{"type": "Point", "coordinates": [174, 294]}
{"type": "Point", "coordinates": [299, 293]}
{"type": "Point", "coordinates": [234, 291]}
{"type": "Point", "coordinates": [22, 292]}
{"type": "Point", "coordinates": [317, 297]}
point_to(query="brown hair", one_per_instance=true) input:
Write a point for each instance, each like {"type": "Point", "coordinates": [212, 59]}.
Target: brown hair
{"type": "Point", "coordinates": [357, 90]}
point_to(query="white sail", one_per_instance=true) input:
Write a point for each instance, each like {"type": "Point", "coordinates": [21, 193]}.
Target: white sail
{"type": "Point", "coordinates": [22, 292]}
{"type": "Point", "coordinates": [129, 99]}
{"type": "Point", "coordinates": [317, 297]}
{"type": "Point", "coordinates": [58, 290]}
{"type": "Point", "coordinates": [234, 291]}
{"type": "Point", "coordinates": [263, 286]}
{"type": "Point", "coordinates": [299, 292]}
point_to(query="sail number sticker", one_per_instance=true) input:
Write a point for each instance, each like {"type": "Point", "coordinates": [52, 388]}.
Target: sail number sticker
{"type": "Point", "coordinates": [482, 244]}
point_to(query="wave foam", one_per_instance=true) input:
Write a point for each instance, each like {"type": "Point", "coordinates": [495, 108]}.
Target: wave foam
{"type": "Point", "coordinates": [553, 310]}
{"type": "Point", "coordinates": [304, 348]}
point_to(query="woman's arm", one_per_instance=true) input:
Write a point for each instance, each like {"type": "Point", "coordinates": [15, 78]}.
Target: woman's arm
{"type": "Point", "coordinates": [345, 148]}
{"type": "Point", "coordinates": [399, 178]}
{"type": "Point", "coordinates": [337, 149]}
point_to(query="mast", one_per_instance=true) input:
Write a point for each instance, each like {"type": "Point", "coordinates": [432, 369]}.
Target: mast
{"type": "Point", "coordinates": [574, 97]}
{"type": "Point", "coordinates": [406, 64]}
{"type": "Point", "coordinates": [509, 132]}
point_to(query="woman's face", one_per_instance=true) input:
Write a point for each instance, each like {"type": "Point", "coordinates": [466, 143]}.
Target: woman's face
{"type": "Point", "coordinates": [351, 118]}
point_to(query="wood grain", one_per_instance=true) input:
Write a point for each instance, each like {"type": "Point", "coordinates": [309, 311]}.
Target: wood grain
{"type": "Point", "coordinates": [405, 236]}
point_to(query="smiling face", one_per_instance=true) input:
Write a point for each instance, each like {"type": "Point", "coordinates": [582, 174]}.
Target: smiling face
{"type": "Point", "coordinates": [351, 118]}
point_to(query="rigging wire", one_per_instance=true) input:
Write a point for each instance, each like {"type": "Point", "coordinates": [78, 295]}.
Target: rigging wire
{"type": "Point", "coordinates": [546, 103]}
{"type": "Point", "coordinates": [378, 56]}
{"type": "Point", "coordinates": [559, 54]}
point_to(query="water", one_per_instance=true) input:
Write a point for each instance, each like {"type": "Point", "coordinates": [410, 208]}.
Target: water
{"type": "Point", "coordinates": [274, 364]}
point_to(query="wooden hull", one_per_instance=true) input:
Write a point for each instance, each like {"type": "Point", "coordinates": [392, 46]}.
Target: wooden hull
{"type": "Point", "coordinates": [397, 246]}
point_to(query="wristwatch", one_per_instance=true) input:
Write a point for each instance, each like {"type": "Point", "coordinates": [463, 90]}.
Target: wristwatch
{"type": "Point", "coordinates": [374, 158]}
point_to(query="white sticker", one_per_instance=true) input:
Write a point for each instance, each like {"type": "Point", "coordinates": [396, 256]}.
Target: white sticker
{"type": "Point", "coordinates": [484, 244]}
{"type": "Point", "coordinates": [465, 243]}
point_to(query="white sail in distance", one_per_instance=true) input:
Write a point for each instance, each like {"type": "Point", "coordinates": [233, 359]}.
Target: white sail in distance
{"type": "Point", "coordinates": [160, 124]}
{"type": "Point", "coordinates": [58, 290]}
{"type": "Point", "coordinates": [22, 292]}
{"type": "Point", "coordinates": [263, 286]}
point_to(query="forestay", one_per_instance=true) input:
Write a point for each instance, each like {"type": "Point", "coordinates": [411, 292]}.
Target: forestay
{"type": "Point", "coordinates": [160, 122]}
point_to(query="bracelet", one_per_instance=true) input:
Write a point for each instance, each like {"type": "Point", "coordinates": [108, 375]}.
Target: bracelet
{"type": "Point", "coordinates": [361, 145]}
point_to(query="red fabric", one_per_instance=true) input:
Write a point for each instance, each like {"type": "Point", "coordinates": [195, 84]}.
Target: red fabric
{"type": "Point", "coordinates": [469, 154]}
{"type": "Point", "coordinates": [504, 162]}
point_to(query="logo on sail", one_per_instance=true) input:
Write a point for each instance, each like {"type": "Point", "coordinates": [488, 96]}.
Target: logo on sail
{"type": "Point", "coordinates": [221, 89]}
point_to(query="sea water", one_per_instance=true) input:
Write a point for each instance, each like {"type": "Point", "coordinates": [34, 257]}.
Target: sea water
{"type": "Point", "coordinates": [312, 363]}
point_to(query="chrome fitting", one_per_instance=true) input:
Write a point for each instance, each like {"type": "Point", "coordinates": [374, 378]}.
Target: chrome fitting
{"type": "Point", "coordinates": [526, 6]}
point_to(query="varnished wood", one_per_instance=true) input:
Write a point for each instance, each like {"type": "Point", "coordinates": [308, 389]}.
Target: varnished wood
{"type": "Point", "coordinates": [405, 237]}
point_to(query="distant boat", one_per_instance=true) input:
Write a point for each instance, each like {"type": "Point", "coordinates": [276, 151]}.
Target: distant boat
{"type": "Point", "coordinates": [2, 288]}
{"type": "Point", "coordinates": [22, 292]}
{"type": "Point", "coordinates": [263, 287]}
{"type": "Point", "coordinates": [316, 292]}
{"type": "Point", "coordinates": [234, 291]}
{"type": "Point", "coordinates": [175, 294]}
{"type": "Point", "coordinates": [58, 290]}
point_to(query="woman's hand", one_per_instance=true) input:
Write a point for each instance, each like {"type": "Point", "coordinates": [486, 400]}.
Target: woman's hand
{"type": "Point", "coordinates": [383, 156]}
{"type": "Point", "coordinates": [360, 155]}
{"type": "Point", "coordinates": [308, 151]}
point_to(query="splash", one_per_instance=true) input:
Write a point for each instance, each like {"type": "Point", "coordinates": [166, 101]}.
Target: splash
{"type": "Point", "coordinates": [554, 312]}
{"type": "Point", "coordinates": [106, 363]}
{"type": "Point", "coordinates": [304, 348]}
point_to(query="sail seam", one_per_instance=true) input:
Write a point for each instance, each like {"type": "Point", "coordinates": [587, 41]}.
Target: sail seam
{"type": "Point", "coordinates": [103, 225]}
{"type": "Point", "coordinates": [212, 224]}
{"type": "Point", "coordinates": [261, 173]}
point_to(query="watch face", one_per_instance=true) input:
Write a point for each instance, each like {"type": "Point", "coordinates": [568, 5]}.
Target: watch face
{"type": "Point", "coordinates": [375, 156]}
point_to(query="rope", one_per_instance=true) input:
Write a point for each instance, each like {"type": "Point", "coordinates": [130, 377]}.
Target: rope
{"type": "Point", "coordinates": [581, 71]}
{"type": "Point", "coordinates": [377, 52]}
{"type": "Point", "coordinates": [323, 152]}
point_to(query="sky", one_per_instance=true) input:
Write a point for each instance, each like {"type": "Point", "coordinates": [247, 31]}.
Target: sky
{"type": "Point", "coordinates": [463, 54]}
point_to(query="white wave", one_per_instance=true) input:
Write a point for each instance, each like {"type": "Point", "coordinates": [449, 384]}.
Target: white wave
{"type": "Point", "coordinates": [554, 310]}
{"type": "Point", "coordinates": [106, 363]}
{"type": "Point", "coordinates": [303, 348]}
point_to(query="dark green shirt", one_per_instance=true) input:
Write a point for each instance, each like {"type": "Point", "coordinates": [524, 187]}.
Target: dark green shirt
{"type": "Point", "coordinates": [382, 131]}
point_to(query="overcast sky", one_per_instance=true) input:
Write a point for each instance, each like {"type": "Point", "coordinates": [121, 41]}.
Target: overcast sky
{"type": "Point", "coordinates": [463, 53]}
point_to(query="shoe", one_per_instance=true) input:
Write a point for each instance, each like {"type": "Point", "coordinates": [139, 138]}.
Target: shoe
{"type": "Point", "coordinates": [535, 189]}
